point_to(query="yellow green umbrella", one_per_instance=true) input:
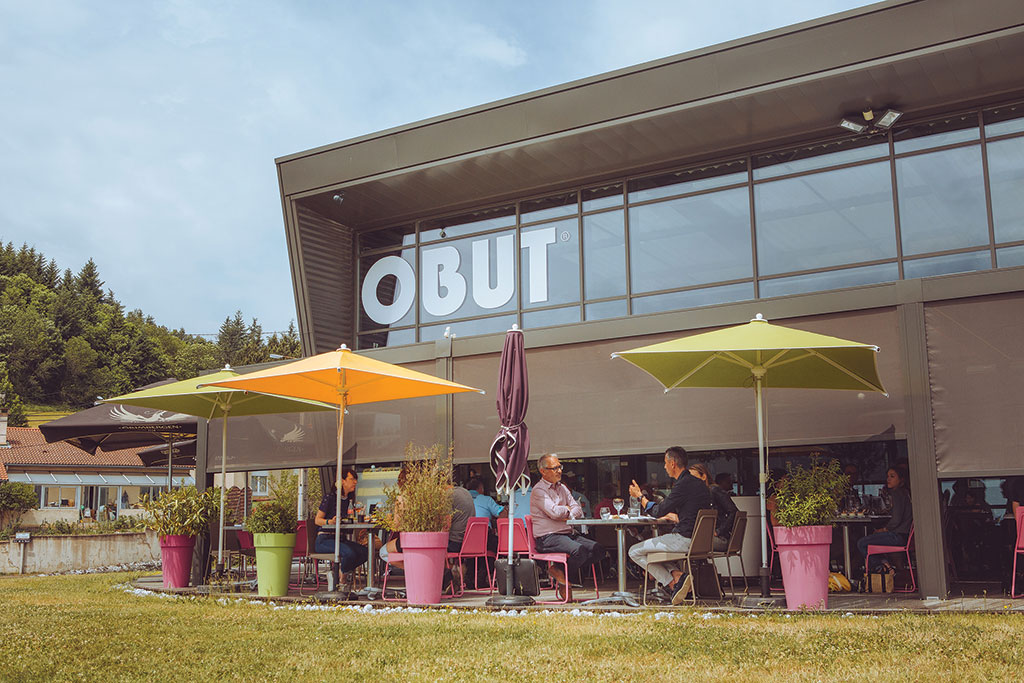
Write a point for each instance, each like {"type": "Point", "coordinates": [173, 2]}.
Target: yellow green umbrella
{"type": "Point", "coordinates": [755, 355]}
{"type": "Point", "coordinates": [342, 378]}
{"type": "Point", "coordinates": [194, 397]}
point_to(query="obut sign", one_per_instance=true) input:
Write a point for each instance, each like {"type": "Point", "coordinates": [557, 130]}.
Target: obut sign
{"type": "Point", "coordinates": [443, 280]}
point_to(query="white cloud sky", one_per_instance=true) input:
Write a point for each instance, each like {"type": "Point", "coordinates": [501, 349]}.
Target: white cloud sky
{"type": "Point", "coordinates": [143, 134]}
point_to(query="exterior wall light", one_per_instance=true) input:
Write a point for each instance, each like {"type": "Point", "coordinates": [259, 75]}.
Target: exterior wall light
{"type": "Point", "coordinates": [888, 118]}
{"type": "Point", "coordinates": [852, 126]}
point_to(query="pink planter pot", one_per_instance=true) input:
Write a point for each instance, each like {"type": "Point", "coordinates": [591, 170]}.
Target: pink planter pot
{"type": "Point", "coordinates": [176, 553]}
{"type": "Point", "coordinates": [803, 555]}
{"type": "Point", "coordinates": [424, 554]}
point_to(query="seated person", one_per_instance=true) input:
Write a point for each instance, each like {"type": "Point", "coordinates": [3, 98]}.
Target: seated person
{"type": "Point", "coordinates": [609, 492]}
{"type": "Point", "coordinates": [484, 505]}
{"type": "Point", "coordinates": [720, 501]}
{"type": "Point", "coordinates": [551, 505]}
{"type": "Point", "coordinates": [897, 531]}
{"type": "Point", "coordinates": [350, 554]}
{"type": "Point", "coordinates": [688, 495]}
{"type": "Point", "coordinates": [724, 481]}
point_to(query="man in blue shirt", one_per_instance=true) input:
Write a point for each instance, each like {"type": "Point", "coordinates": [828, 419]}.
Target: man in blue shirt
{"type": "Point", "coordinates": [485, 505]}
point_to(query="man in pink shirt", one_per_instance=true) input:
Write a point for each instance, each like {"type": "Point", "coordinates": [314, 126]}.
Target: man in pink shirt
{"type": "Point", "coordinates": [551, 505]}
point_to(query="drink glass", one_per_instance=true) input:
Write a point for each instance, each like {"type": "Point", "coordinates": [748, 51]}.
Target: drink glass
{"type": "Point", "coordinates": [617, 503]}
{"type": "Point", "coordinates": [606, 513]}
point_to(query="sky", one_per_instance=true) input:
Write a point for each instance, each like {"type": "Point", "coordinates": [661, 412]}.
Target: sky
{"type": "Point", "coordinates": [143, 134]}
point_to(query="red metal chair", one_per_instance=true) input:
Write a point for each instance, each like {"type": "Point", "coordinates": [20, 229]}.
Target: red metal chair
{"type": "Point", "coordinates": [1018, 549]}
{"type": "Point", "coordinates": [773, 549]}
{"type": "Point", "coordinates": [885, 550]}
{"type": "Point", "coordinates": [557, 558]}
{"type": "Point", "coordinates": [474, 546]}
{"type": "Point", "coordinates": [302, 550]}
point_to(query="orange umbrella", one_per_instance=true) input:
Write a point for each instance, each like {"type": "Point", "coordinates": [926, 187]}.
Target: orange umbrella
{"type": "Point", "coordinates": [342, 378]}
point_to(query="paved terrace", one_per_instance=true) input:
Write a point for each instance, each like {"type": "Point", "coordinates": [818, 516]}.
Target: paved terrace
{"type": "Point", "coordinates": [858, 603]}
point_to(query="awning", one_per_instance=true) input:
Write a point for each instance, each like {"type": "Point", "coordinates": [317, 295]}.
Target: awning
{"type": "Point", "coordinates": [65, 479]}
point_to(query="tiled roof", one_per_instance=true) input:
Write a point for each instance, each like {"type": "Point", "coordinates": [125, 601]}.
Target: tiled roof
{"type": "Point", "coordinates": [28, 447]}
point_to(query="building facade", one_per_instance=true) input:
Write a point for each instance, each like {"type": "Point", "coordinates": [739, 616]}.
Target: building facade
{"type": "Point", "coordinates": [692, 193]}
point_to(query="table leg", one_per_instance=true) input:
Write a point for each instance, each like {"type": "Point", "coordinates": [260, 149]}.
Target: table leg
{"type": "Point", "coordinates": [621, 596]}
{"type": "Point", "coordinates": [846, 549]}
{"type": "Point", "coordinates": [371, 592]}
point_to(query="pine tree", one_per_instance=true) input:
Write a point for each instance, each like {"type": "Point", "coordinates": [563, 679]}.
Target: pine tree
{"type": "Point", "coordinates": [11, 402]}
{"type": "Point", "coordinates": [231, 339]}
{"type": "Point", "coordinates": [89, 282]}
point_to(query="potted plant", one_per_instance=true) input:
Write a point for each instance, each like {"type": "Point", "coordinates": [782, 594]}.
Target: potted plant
{"type": "Point", "coordinates": [273, 526]}
{"type": "Point", "coordinates": [419, 508]}
{"type": "Point", "coordinates": [178, 516]}
{"type": "Point", "coordinates": [807, 500]}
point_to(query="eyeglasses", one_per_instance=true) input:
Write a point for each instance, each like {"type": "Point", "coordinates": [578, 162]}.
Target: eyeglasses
{"type": "Point", "coordinates": [554, 469]}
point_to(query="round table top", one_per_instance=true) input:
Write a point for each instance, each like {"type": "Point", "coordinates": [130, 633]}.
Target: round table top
{"type": "Point", "coordinates": [616, 520]}
{"type": "Point", "coordinates": [350, 525]}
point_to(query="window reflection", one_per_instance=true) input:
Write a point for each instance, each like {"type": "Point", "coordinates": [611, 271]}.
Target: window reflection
{"type": "Point", "coordinates": [477, 221]}
{"type": "Point", "coordinates": [1006, 177]}
{"type": "Point", "coordinates": [387, 338]}
{"type": "Point", "coordinates": [820, 155]}
{"type": "Point", "coordinates": [692, 298]}
{"type": "Point", "coordinates": [832, 279]}
{"type": "Point", "coordinates": [551, 263]}
{"type": "Point", "coordinates": [947, 264]}
{"type": "Point", "coordinates": [548, 207]}
{"type": "Point", "coordinates": [604, 255]}
{"type": "Point", "coordinates": [942, 200]}
{"type": "Point", "coordinates": [605, 309]}
{"type": "Point", "coordinates": [550, 317]}
{"type": "Point", "coordinates": [400, 236]}
{"type": "Point", "coordinates": [826, 219]}
{"type": "Point", "coordinates": [688, 180]}
{"type": "Point", "coordinates": [467, 328]}
{"type": "Point", "coordinates": [1004, 120]}
{"type": "Point", "coordinates": [1010, 256]}
{"type": "Point", "coordinates": [602, 197]}
{"type": "Point", "coordinates": [690, 241]}
{"type": "Point", "coordinates": [946, 131]}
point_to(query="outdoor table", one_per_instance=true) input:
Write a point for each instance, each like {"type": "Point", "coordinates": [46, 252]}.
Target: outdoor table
{"type": "Point", "coordinates": [370, 592]}
{"type": "Point", "coordinates": [844, 522]}
{"type": "Point", "coordinates": [621, 596]}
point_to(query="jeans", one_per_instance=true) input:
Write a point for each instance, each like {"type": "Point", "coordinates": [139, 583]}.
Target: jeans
{"type": "Point", "coordinates": [881, 538]}
{"type": "Point", "coordinates": [581, 550]}
{"type": "Point", "coordinates": [351, 553]}
{"type": "Point", "coordinates": [666, 543]}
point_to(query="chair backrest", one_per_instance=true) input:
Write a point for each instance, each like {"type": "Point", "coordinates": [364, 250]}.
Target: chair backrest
{"type": "Point", "coordinates": [1020, 530]}
{"type": "Point", "coordinates": [245, 540]}
{"type": "Point", "coordinates": [910, 538]}
{"type": "Point", "coordinates": [301, 548]}
{"type": "Point", "coordinates": [520, 538]}
{"type": "Point", "coordinates": [703, 533]}
{"type": "Point", "coordinates": [475, 540]}
{"type": "Point", "coordinates": [309, 534]}
{"type": "Point", "coordinates": [739, 529]}
{"type": "Point", "coordinates": [531, 542]}
{"type": "Point", "coordinates": [771, 534]}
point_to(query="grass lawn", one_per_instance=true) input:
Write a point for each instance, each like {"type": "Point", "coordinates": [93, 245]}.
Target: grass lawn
{"type": "Point", "coordinates": [86, 628]}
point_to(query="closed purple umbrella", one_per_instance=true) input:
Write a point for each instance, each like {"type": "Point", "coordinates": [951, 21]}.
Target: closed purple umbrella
{"type": "Point", "coordinates": [511, 448]}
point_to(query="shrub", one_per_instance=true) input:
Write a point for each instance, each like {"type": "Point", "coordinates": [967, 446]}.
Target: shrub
{"type": "Point", "coordinates": [182, 512]}
{"type": "Point", "coordinates": [809, 496]}
{"type": "Point", "coordinates": [15, 499]}
{"type": "Point", "coordinates": [423, 500]}
{"type": "Point", "coordinates": [273, 517]}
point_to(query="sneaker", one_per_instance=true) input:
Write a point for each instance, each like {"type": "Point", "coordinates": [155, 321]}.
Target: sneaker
{"type": "Point", "coordinates": [658, 595]}
{"type": "Point", "coordinates": [684, 591]}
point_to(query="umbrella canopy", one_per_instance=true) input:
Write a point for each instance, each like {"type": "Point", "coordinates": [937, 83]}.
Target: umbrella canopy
{"type": "Point", "coordinates": [341, 378]}
{"type": "Point", "coordinates": [195, 397]}
{"type": "Point", "coordinates": [755, 355]}
{"type": "Point", "coordinates": [511, 447]}
{"type": "Point", "coordinates": [183, 453]}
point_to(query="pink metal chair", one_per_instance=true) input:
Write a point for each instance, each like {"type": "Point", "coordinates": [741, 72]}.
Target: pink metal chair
{"type": "Point", "coordinates": [772, 548]}
{"type": "Point", "coordinates": [304, 546]}
{"type": "Point", "coordinates": [1018, 549]}
{"type": "Point", "coordinates": [474, 546]}
{"type": "Point", "coordinates": [557, 558]}
{"type": "Point", "coordinates": [885, 550]}
{"type": "Point", "coordinates": [520, 543]}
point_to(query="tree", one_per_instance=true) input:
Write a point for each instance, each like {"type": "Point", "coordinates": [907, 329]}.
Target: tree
{"type": "Point", "coordinates": [15, 499]}
{"type": "Point", "coordinates": [231, 339]}
{"type": "Point", "coordinates": [11, 401]}
{"type": "Point", "coordinates": [287, 345]}
{"type": "Point", "coordinates": [88, 280]}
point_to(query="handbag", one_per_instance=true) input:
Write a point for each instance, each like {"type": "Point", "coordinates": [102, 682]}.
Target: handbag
{"type": "Point", "coordinates": [525, 576]}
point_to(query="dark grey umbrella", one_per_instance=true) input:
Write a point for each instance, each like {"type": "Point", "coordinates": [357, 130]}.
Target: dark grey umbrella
{"type": "Point", "coordinates": [182, 453]}
{"type": "Point", "coordinates": [114, 427]}
{"type": "Point", "coordinates": [510, 450]}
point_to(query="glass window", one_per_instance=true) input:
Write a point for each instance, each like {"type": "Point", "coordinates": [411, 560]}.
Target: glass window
{"type": "Point", "coordinates": [687, 181]}
{"type": "Point", "coordinates": [602, 197]}
{"type": "Point", "coordinates": [1004, 120]}
{"type": "Point", "coordinates": [604, 255]}
{"type": "Point", "coordinates": [1006, 179]}
{"type": "Point", "coordinates": [61, 497]}
{"type": "Point", "coordinates": [832, 279]}
{"type": "Point", "coordinates": [550, 317]}
{"type": "Point", "coordinates": [942, 200]}
{"type": "Point", "coordinates": [459, 226]}
{"type": "Point", "coordinates": [821, 155]}
{"type": "Point", "coordinates": [376, 340]}
{"type": "Point", "coordinates": [548, 207]}
{"type": "Point", "coordinates": [400, 236]}
{"type": "Point", "coordinates": [690, 241]}
{"type": "Point", "coordinates": [947, 131]}
{"type": "Point", "coordinates": [825, 219]}
{"type": "Point", "coordinates": [551, 263]}
{"type": "Point", "coordinates": [1010, 256]}
{"type": "Point", "coordinates": [605, 309]}
{"type": "Point", "coordinates": [469, 277]}
{"type": "Point", "coordinates": [692, 298]}
{"type": "Point", "coordinates": [260, 482]}
{"type": "Point", "coordinates": [468, 328]}
{"type": "Point", "coordinates": [949, 263]}
{"type": "Point", "coordinates": [387, 289]}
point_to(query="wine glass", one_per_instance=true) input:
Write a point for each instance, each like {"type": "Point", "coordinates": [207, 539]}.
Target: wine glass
{"type": "Point", "coordinates": [617, 503]}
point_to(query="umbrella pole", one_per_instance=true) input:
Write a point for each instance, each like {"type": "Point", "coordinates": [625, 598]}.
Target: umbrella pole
{"type": "Point", "coordinates": [223, 476]}
{"type": "Point", "coordinates": [762, 476]}
{"type": "Point", "coordinates": [511, 523]}
{"type": "Point", "coordinates": [338, 490]}
{"type": "Point", "coordinates": [170, 453]}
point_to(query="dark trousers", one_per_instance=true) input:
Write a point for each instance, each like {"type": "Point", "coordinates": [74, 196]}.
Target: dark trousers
{"type": "Point", "coordinates": [879, 538]}
{"type": "Point", "coordinates": [351, 553]}
{"type": "Point", "coordinates": [580, 549]}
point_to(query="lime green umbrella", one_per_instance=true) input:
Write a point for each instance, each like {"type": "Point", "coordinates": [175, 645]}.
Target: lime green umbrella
{"type": "Point", "coordinates": [187, 396]}
{"type": "Point", "coordinates": [756, 355]}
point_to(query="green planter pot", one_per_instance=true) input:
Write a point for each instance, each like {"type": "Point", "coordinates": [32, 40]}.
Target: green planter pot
{"type": "Point", "coordinates": [273, 562]}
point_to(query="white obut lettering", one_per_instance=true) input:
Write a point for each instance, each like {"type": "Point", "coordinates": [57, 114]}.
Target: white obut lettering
{"type": "Point", "coordinates": [536, 243]}
{"type": "Point", "coordinates": [484, 295]}
{"type": "Point", "coordinates": [405, 291]}
{"type": "Point", "coordinates": [440, 269]}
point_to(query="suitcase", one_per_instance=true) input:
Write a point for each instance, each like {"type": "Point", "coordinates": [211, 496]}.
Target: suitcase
{"type": "Point", "coordinates": [525, 576]}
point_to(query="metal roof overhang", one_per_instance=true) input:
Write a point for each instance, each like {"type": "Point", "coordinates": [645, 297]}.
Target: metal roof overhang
{"type": "Point", "coordinates": [793, 84]}
{"type": "Point", "coordinates": [66, 479]}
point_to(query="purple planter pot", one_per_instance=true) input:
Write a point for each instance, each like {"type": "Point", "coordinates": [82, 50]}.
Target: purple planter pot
{"type": "Point", "coordinates": [803, 555]}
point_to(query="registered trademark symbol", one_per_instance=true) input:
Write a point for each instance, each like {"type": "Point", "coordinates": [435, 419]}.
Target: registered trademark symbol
{"type": "Point", "coordinates": [566, 236]}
